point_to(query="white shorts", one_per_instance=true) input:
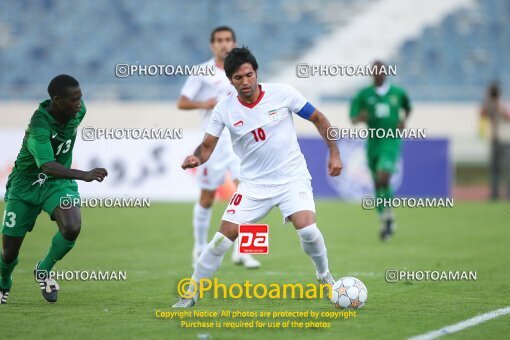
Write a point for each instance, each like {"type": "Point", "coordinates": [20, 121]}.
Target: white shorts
{"type": "Point", "coordinates": [211, 174]}
{"type": "Point", "coordinates": [251, 202]}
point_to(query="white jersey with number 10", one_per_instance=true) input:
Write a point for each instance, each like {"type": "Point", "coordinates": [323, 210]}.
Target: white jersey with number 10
{"type": "Point", "coordinates": [263, 134]}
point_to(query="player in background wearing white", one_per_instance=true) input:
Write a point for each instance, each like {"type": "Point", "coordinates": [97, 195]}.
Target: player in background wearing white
{"type": "Point", "coordinates": [273, 169]}
{"type": "Point", "coordinates": [203, 92]}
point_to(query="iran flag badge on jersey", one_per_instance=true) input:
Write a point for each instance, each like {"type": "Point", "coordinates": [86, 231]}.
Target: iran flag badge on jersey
{"type": "Point", "coordinates": [273, 115]}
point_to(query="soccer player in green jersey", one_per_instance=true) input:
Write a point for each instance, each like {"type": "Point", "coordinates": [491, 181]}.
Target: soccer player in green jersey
{"type": "Point", "coordinates": [41, 179]}
{"type": "Point", "coordinates": [382, 106]}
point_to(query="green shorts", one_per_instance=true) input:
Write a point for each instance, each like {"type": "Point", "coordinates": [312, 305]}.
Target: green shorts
{"type": "Point", "coordinates": [24, 200]}
{"type": "Point", "coordinates": [383, 156]}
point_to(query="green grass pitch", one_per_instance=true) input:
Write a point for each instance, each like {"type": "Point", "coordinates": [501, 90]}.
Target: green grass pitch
{"type": "Point", "coordinates": [154, 247]}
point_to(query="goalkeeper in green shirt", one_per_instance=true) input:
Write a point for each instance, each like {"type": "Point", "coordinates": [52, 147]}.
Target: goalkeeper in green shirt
{"type": "Point", "coordinates": [42, 179]}
{"type": "Point", "coordinates": [382, 106]}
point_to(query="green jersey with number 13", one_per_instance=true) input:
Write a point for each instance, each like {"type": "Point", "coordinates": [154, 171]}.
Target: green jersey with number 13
{"type": "Point", "coordinates": [45, 141]}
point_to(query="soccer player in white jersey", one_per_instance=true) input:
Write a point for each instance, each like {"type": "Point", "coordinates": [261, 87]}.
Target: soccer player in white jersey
{"type": "Point", "coordinates": [259, 117]}
{"type": "Point", "coordinates": [203, 92]}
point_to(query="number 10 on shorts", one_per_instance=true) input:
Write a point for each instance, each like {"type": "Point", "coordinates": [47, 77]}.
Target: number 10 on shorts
{"type": "Point", "coordinates": [253, 239]}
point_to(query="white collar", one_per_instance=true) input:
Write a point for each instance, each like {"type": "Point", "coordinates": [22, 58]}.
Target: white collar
{"type": "Point", "coordinates": [383, 89]}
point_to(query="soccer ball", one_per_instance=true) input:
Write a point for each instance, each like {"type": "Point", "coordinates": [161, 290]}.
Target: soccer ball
{"type": "Point", "coordinates": [349, 293]}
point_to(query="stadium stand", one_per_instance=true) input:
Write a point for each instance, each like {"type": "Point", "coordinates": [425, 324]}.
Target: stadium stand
{"type": "Point", "coordinates": [468, 47]}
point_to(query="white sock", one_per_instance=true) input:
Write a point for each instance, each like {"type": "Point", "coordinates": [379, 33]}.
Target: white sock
{"type": "Point", "coordinates": [387, 214]}
{"type": "Point", "coordinates": [235, 247]}
{"type": "Point", "coordinates": [211, 257]}
{"type": "Point", "coordinates": [313, 245]}
{"type": "Point", "coordinates": [201, 220]}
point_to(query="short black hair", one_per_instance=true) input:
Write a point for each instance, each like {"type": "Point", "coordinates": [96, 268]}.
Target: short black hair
{"type": "Point", "coordinates": [59, 85]}
{"type": "Point", "coordinates": [236, 58]}
{"type": "Point", "coordinates": [221, 29]}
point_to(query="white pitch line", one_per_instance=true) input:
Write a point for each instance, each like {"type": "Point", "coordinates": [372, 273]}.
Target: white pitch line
{"type": "Point", "coordinates": [462, 325]}
{"type": "Point", "coordinates": [336, 274]}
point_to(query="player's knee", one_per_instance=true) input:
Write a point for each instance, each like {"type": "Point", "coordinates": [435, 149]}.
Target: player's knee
{"type": "Point", "coordinates": [207, 199]}
{"type": "Point", "coordinates": [206, 204]}
{"type": "Point", "coordinates": [229, 229]}
{"type": "Point", "coordinates": [383, 180]}
{"type": "Point", "coordinates": [71, 230]}
{"type": "Point", "coordinates": [9, 255]}
{"type": "Point", "coordinates": [10, 249]}
{"type": "Point", "coordinates": [302, 219]}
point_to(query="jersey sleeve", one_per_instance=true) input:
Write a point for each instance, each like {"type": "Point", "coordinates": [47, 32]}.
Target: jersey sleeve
{"type": "Point", "coordinates": [216, 124]}
{"type": "Point", "coordinates": [191, 87]}
{"type": "Point", "coordinates": [39, 144]}
{"type": "Point", "coordinates": [406, 103]}
{"type": "Point", "coordinates": [356, 105]}
{"type": "Point", "coordinates": [298, 103]}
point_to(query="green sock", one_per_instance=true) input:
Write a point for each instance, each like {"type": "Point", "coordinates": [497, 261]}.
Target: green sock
{"type": "Point", "coordinates": [59, 248]}
{"type": "Point", "coordinates": [387, 194]}
{"type": "Point", "coordinates": [380, 193]}
{"type": "Point", "coordinates": [6, 270]}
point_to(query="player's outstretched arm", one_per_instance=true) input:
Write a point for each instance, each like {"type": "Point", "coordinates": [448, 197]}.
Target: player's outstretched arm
{"type": "Point", "coordinates": [57, 170]}
{"type": "Point", "coordinates": [202, 152]}
{"type": "Point", "coordinates": [322, 124]}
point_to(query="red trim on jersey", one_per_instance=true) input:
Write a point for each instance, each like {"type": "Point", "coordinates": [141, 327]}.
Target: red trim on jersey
{"type": "Point", "coordinates": [252, 105]}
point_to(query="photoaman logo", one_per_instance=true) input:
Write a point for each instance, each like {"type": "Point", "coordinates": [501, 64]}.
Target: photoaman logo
{"type": "Point", "coordinates": [253, 239]}
{"type": "Point", "coordinates": [189, 288]}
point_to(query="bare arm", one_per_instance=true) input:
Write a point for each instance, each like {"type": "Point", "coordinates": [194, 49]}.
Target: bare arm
{"type": "Point", "coordinates": [322, 124]}
{"type": "Point", "coordinates": [202, 152]}
{"type": "Point", "coordinates": [57, 170]}
{"type": "Point", "coordinates": [184, 103]}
